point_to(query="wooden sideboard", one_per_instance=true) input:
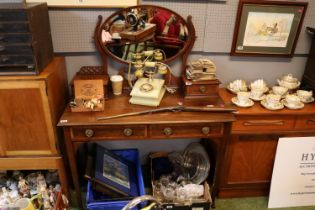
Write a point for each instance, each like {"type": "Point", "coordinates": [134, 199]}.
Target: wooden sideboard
{"type": "Point", "coordinates": [250, 155]}
{"type": "Point", "coordinates": [82, 127]}
{"type": "Point", "coordinates": [30, 109]}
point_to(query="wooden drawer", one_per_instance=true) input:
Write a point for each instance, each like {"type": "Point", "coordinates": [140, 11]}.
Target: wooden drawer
{"type": "Point", "coordinates": [16, 60]}
{"type": "Point", "coordinates": [108, 132]}
{"type": "Point", "coordinates": [202, 90]}
{"type": "Point", "coordinates": [14, 27]}
{"type": "Point", "coordinates": [186, 130]}
{"type": "Point", "coordinates": [263, 124]}
{"type": "Point", "coordinates": [15, 38]}
{"type": "Point", "coordinates": [205, 88]}
{"type": "Point", "coordinates": [305, 122]}
{"type": "Point", "coordinates": [17, 49]}
{"type": "Point", "coordinates": [10, 15]}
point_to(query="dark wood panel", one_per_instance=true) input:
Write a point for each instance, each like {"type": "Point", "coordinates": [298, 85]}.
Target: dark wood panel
{"type": "Point", "coordinates": [252, 158]}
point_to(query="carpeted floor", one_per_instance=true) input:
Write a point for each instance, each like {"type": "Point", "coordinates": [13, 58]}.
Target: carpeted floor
{"type": "Point", "coordinates": [253, 203]}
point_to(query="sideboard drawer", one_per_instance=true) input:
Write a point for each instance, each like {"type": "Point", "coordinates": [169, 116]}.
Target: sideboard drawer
{"type": "Point", "coordinates": [263, 124]}
{"type": "Point", "coordinates": [305, 122]}
{"type": "Point", "coordinates": [108, 132]}
{"type": "Point", "coordinates": [186, 130]}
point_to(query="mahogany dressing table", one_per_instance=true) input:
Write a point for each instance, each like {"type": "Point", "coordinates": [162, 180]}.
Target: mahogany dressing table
{"type": "Point", "coordinates": [84, 127]}
{"type": "Point", "coordinates": [81, 128]}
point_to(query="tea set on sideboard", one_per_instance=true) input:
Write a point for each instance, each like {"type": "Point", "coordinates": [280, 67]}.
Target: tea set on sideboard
{"type": "Point", "coordinates": [285, 94]}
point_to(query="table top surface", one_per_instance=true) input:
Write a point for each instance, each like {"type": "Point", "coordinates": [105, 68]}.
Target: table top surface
{"type": "Point", "coordinates": [117, 105]}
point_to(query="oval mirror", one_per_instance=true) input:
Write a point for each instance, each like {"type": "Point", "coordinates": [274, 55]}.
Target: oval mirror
{"type": "Point", "coordinates": [144, 28]}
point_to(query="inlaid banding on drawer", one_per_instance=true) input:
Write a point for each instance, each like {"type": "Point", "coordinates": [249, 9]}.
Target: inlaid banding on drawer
{"type": "Point", "coordinates": [185, 130]}
{"type": "Point", "coordinates": [263, 124]}
{"type": "Point", "coordinates": [108, 132]}
{"type": "Point", "coordinates": [305, 122]}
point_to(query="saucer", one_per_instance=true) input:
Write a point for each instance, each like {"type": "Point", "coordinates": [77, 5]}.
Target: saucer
{"type": "Point", "coordinates": [276, 107]}
{"type": "Point", "coordinates": [258, 99]}
{"type": "Point", "coordinates": [231, 90]}
{"type": "Point", "coordinates": [309, 100]}
{"type": "Point", "coordinates": [265, 89]}
{"type": "Point", "coordinates": [248, 104]}
{"type": "Point", "coordinates": [234, 91]}
{"type": "Point", "coordinates": [299, 106]}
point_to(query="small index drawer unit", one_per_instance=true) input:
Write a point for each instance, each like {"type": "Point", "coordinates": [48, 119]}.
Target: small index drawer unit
{"type": "Point", "coordinates": [25, 38]}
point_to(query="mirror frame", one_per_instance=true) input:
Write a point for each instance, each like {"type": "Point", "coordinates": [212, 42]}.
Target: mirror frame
{"type": "Point", "coordinates": [105, 52]}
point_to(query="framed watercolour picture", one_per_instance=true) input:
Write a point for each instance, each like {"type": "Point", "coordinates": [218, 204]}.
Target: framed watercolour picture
{"type": "Point", "coordinates": [267, 28]}
{"type": "Point", "coordinates": [115, 173]}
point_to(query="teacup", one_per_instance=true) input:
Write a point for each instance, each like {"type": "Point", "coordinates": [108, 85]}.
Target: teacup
{"type": "Point", "coordinates": [258, 85]}
{"type": "Point", "coordinates": [292, 100]}
{"type": "Point", "coordinates": [304, 94]}
{"type": "Point", "coordinates": [256, 93]}
{"type": "Point", "coordinates": [243, 97]}
{"type": "Point", "coordinates": [279, 90]}
{"type": "Point", "coordinates": [273, 99]}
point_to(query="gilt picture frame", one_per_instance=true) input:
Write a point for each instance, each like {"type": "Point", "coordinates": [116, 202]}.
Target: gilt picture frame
{"type": "Point", "coordinates": [88, 3]}
{"type": "Point", "coordinates": [267, 28]}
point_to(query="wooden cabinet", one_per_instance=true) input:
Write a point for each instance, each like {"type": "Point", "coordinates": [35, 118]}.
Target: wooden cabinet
{"type": "Point", "coordinates": [30, 108]}
{"type": "Point", "coordinates": [248, 163]}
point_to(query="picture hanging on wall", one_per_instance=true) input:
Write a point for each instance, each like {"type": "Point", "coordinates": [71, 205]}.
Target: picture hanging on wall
{"type": "Point", "coordinates": [267, 28]}
{"type": "Point", "coordinates": [89, 3]}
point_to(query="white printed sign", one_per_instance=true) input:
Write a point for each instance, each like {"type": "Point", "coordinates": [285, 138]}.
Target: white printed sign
{"type": "Point", "coordinates": [293, 177]}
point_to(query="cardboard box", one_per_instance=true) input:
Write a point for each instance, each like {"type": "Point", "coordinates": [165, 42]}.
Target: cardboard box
{"type": "Point", "coordinates": [197, 205]}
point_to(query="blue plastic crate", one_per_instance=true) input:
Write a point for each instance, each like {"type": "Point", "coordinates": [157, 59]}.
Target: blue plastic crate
{"type": "Point", "coordinates": [98, 201]}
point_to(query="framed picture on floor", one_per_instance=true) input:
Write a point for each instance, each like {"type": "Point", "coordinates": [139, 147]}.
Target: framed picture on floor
{"type": "Point", "coordinates": [267, 28]}
{"type": "Point", "coordinates": [115, 173]}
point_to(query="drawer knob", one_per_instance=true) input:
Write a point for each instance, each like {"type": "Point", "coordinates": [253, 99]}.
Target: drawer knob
{"type": "Point", "coordinates": [205, 130]}
{"type": "Point", "coordinates": [202, 89]}
{"type": "Point", "coordinates": [128, 131]}
{"type": "Point", "coordinates": [168, 131]}
{"type": "Point", "coordinates": [89, 133]}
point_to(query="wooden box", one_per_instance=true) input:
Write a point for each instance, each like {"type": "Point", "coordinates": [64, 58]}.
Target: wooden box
{"type": "Point", "coordinates": [85, 91]}
{"type": "Point", "coordinates": [26, 44]}
{"type": "Point", "coordinates": [140, 34]}
{"type": "Point", "coordinates": [200, 89]}
{"type": "Point", "coordinates": [91, 72]}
